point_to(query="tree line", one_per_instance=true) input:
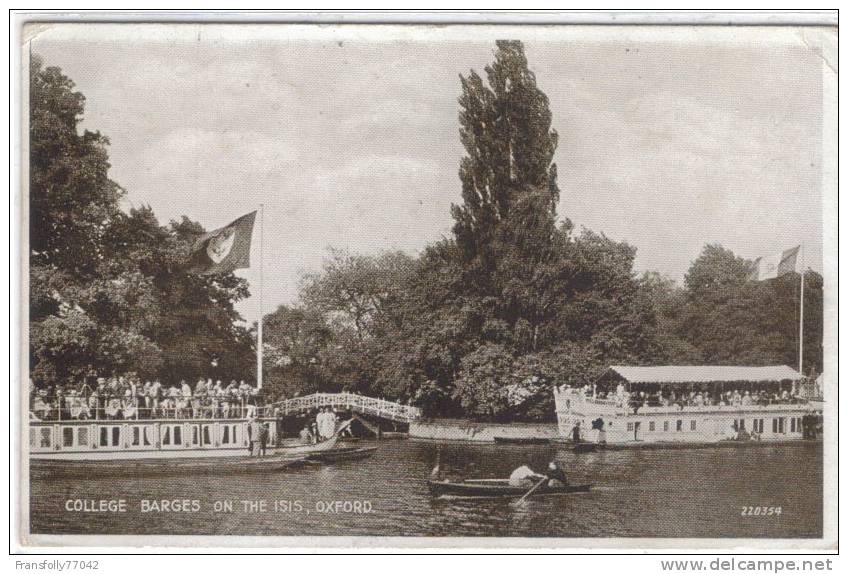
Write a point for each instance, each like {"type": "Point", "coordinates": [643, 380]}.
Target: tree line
{"type": "Point", "coordinates": [480, 324]}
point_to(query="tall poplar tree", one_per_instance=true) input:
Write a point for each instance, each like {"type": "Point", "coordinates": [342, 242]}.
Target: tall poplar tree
{"type": "Point", "coordinates": [505, 128]}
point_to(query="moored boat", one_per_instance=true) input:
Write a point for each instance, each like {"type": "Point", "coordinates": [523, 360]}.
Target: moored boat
{"type": "Point", "coordinates": [496, 488]}
{"type": "Point", "coordinates": [148, 466]}
{"type": "Point", "coordinates": [306, 449]}
{"type": "Point", "coordinates": [521, 440]}
{"type": "Point", "coordinates": [694, 405]}
{"type": "Point", "coordinates": [342, 454]}
{"type": "Point", "coordinates": [184, 445]}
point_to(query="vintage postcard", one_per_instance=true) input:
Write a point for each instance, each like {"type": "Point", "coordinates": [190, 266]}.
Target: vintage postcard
{"type": "Point", "coordinates": [428, 286]}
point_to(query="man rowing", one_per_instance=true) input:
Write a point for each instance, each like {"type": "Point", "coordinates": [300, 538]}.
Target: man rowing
{"type": "Point", "coordinates": [525, 476]}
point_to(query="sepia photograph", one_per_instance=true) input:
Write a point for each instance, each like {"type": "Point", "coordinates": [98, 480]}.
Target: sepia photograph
{"type": "Point", "coordinates": [551, 286]}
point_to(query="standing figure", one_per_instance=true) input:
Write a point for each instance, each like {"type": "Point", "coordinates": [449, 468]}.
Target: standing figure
{"type": "Point", "coordinates": [575, 433]}
{"type": "Point", "coordinates": [264, 432]}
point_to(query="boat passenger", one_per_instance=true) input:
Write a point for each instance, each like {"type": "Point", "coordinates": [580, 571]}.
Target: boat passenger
{"type": "Point", "coordinates": [128, 406]}
{"type": "Point", "coordinates": [185, 403]}
{"type": "Point", "coordinates": [254, 430]}
{"type": "Point", "coordinates": [556, 476]}
{"type": "Point", "coordinates": [264, 432]}
{"type": "Point", "coordinates": [306, 435]}
{"type": "Point", "coordinates": [322, 422]}
{"type": "Point", "coordinates": [575, 433]}
{"type": "Point", "coordinates": [155, 395]}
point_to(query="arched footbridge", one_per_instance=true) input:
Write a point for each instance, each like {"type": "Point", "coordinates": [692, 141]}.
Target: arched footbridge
{"type": "Point", "coordinates": [380, 408]}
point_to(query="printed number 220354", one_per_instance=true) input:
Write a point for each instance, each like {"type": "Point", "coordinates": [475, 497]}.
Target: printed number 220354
{"type": "Point", "coordinates": [761, 510]}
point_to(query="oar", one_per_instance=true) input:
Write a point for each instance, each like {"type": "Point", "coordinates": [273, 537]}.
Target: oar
{"type": "Point", "coordinates": [531, 491]}
{"type": "Point", "coordinates": [342, 427]}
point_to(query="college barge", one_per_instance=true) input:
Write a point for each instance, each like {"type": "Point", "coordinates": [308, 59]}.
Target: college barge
{"type": "Point", "coordinates": [691, 404]}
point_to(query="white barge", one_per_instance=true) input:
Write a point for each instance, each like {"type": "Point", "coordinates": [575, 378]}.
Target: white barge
{"type": "Point", "coordinates": [101, 440]}
{"type": "Point", "coordinates": [689, 404]}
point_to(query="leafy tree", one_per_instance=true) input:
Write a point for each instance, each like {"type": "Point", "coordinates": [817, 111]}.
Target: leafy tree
{"type": "Point", "coordinates": [505, 129]}
{"type": "Point", "coordinates": [72, 199]}
{"type": "Point", "coordinates": [731, 319]}
{"type": "Point", "coordinates": [482, 382]}
{"type": "Point", "coordinates": [356, 291]}
{"type": "Point", "coordinates": [108, 293]}
{"type": "Point", "coordinates": [668, 300]}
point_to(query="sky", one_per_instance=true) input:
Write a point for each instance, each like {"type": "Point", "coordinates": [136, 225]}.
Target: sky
{"type": "Point", "coordinates": [669, 138]}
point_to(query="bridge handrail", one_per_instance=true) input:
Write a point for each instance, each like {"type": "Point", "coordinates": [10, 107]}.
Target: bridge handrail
{"type": "Point", "coordinates": [380, 407]}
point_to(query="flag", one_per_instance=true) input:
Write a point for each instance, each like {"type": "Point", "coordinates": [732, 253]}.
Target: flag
{"type": "Point", "coordinates": [224, 249]}
{"type": "Point", "coordinates": [775, 265]}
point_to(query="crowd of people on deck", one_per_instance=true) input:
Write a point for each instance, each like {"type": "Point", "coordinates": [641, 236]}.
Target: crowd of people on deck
{"type": "Point", "coordinates": [681, 399]}
{"type": "Point", "coordinates": [127, 397]}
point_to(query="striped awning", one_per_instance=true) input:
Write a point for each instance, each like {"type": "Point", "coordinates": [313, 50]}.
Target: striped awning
{"type": "Point", "coordinates": [705, 374]}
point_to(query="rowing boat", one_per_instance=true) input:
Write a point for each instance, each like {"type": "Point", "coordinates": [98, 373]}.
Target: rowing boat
{"type": "Point", "coordinates": [342, 454]}
{"type": "Point", "coordinates": [521, 440]}
{"type": "Point", "coordinates": [147, 467]}
{"type": "Point", "coordinates": [497, 487]}
{"type": "Point", "coordinates": [307, 449]}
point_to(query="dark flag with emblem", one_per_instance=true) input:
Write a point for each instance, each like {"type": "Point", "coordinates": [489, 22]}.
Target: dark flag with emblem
{"type": "Point", "coordinates": [775, 265]}
{"type": "Point", "coordinates": [223, 250]}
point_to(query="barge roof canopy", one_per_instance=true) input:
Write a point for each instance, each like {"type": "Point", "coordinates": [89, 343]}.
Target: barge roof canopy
{"type": "Point", "coordinates": [705, 374]}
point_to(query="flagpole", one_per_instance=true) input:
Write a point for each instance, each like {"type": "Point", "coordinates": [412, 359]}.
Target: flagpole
{"type": "Point", "coordinates": [259, 348]}
{"type": "Point", "coordinates": [801, 326]}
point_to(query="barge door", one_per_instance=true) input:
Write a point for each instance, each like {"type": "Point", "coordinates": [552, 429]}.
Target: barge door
{"type": "Point", "coordinates": [636, 426]}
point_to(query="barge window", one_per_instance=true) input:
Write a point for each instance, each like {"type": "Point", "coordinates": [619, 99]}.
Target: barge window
{"type": "Point", "coordinates": [665, 426]}
{"type": "Point", "coordinates": [652, 426]}
{"type": "Point", "coordinates": [207, 435]}
{"type": "Point", "coordinates": [792, 424]}
{"type": "Point", "coordinates": [136, 436]}
{"type": "Point", "coordinates": [692, 425]}
{"type": "Point", "coordinates": [104, 436]}
{"type": "Point", "coordinates": [178, 439]}
{"type": "Point", "coordinates": [679, 425]}
{"type": "Point", "coordinates": [781, 425]}
{"type": "Point", "coordinates": [774, 426]}
{"type": "Point", "coordinates": [116, 436]}
{"type": "Point", "coordinates": [225, 437]}
{"type": "Point", "coordinates": [629, 427]}
{"type": "Point", "coordinates": [45, 437]}
{"type": "Point", "coordinates": [195, 435]}
{"type": "Point", "coordinates": [82, 436]}
{"type": "Point", "coordinates": [166, 435]}
{"type": "Point", "coordinates": [68, 436]}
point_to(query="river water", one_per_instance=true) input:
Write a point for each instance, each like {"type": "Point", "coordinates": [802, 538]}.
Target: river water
{"type": "Point", "coordinates": [637, 493]}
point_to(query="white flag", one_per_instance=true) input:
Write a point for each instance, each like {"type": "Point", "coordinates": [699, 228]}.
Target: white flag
{"type": "Point", "coordinates": [776, 265]}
